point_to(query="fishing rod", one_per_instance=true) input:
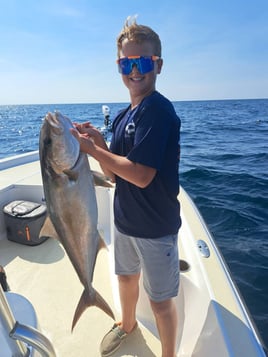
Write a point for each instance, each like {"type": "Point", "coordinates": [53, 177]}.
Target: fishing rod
{"type": "Point", "coordinates": [107, 128]}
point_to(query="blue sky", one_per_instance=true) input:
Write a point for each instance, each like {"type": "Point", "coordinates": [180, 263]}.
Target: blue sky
{"type": "Point", "coordinates": [63, 51]}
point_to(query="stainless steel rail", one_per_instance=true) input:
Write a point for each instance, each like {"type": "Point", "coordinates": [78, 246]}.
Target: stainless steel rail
{"type": "Point", "coordinates": [17, 348]}
{"type": "Point", "coordinates": [18, 336]}
{"type": "Point", "coordinates": [34, 338]}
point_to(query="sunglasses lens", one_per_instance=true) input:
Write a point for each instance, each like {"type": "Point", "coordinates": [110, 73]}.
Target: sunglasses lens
{"type": "Point", "coordinates": [144, 65]}
{"type": "Point", "coordinates": [124, 66]}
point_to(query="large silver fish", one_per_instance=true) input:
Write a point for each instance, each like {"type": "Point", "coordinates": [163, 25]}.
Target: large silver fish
{"type": "Point", "coordinates": [71, 204]}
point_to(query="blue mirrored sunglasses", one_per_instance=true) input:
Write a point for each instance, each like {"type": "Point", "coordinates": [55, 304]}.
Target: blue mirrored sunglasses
{"type": "Point", "coordinates": [145, 64]}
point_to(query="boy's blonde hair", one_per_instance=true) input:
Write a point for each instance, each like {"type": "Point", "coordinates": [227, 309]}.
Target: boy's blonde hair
{"type": "Point", "coordinates": [138, 34]}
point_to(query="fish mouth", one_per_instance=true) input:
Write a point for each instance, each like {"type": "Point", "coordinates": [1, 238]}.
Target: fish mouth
{"type": "Point", "coordinates": [54, 123]}
{"type": "Point", "coordinates": [62, 148]}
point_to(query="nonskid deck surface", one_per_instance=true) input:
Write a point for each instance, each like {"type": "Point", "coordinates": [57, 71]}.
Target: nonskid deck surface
{"type": "Point", "coordinates": [44, 275]}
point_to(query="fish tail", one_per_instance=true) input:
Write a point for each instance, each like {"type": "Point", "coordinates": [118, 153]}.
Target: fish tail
{"type": "Point", "coordinates": [103, 305]}
{"type": "Point", "coordinates": [91, 298]}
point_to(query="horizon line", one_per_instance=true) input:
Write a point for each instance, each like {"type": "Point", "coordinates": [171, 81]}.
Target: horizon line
{"type": "Point", "coordinates": [127, 102]}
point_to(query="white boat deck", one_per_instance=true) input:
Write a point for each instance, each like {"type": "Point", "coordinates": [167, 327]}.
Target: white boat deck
{"type": "Point", "coordinates": [44, 275]}
{"type": "Point", "coordinates": [212, 321]}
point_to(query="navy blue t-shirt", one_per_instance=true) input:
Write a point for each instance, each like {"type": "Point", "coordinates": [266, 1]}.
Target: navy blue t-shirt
{"type": "Point", "coordinates": [148, 135]}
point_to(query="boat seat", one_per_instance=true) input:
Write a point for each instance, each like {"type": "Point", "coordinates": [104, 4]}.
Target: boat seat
{"type": "Point", "coordinates": [23, 312]}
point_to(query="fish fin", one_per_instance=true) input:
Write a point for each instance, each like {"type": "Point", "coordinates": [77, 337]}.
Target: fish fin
{"type": "Point", "coordinates": [103, 305]}
{"type": "Point", "coordinates": [72, 174]}
{"type": "Point", "coordinates": [102, 243]}
{"type": "Point", "coordinates": [100, 179]}
{"type": "Point", "coordinates": [91, 298]}
{"type": "Point", "coordinates": [48, 229]}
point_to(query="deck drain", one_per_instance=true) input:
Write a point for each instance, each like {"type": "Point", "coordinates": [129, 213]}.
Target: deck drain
{"type": "Point", "coordinates": [184, 266]}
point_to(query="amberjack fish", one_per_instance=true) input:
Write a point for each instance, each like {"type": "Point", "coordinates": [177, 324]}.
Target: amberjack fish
{"type": "Point", "coordinates": [71, 204]}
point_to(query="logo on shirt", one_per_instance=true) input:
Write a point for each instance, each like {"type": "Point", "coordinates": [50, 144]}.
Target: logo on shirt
{"type": "Point", "coordinates": [130, 129]}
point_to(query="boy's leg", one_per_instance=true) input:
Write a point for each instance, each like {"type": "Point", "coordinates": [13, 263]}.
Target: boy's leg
{"type": "Point", "coordinates": [161, 276]}
{"type": "Point", "coordinates": [165, 313]}
{"type": "Point", "coordinates": [129, 293]}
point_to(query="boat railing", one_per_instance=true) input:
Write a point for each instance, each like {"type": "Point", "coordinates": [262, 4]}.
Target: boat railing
{"type": "Point", "coordinates": [17, 160]}
{"type": "Point", "coordinates": [19, 337]}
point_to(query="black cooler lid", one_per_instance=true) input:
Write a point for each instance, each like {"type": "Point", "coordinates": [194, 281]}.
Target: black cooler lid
{"type": "Point", "coordinates": [24, 209]}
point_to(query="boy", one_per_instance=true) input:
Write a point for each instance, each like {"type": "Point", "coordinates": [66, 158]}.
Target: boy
{"type": "Point", "coordinates": [143, 162]}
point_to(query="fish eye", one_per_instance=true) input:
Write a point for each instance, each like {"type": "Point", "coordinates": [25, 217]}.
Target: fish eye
{"type": "Point", "coordinates": [47, 141]}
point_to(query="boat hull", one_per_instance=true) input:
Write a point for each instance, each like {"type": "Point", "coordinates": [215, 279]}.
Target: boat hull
{"type": "Point", "coordinates": [213, 318]}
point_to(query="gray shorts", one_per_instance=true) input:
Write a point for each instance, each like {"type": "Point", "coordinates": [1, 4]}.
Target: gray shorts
{"type": "Point", "coordinates": [158, 259]}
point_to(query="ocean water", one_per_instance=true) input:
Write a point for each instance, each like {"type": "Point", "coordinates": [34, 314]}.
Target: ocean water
{"type": "Point", "coordinates": [224, 168]}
